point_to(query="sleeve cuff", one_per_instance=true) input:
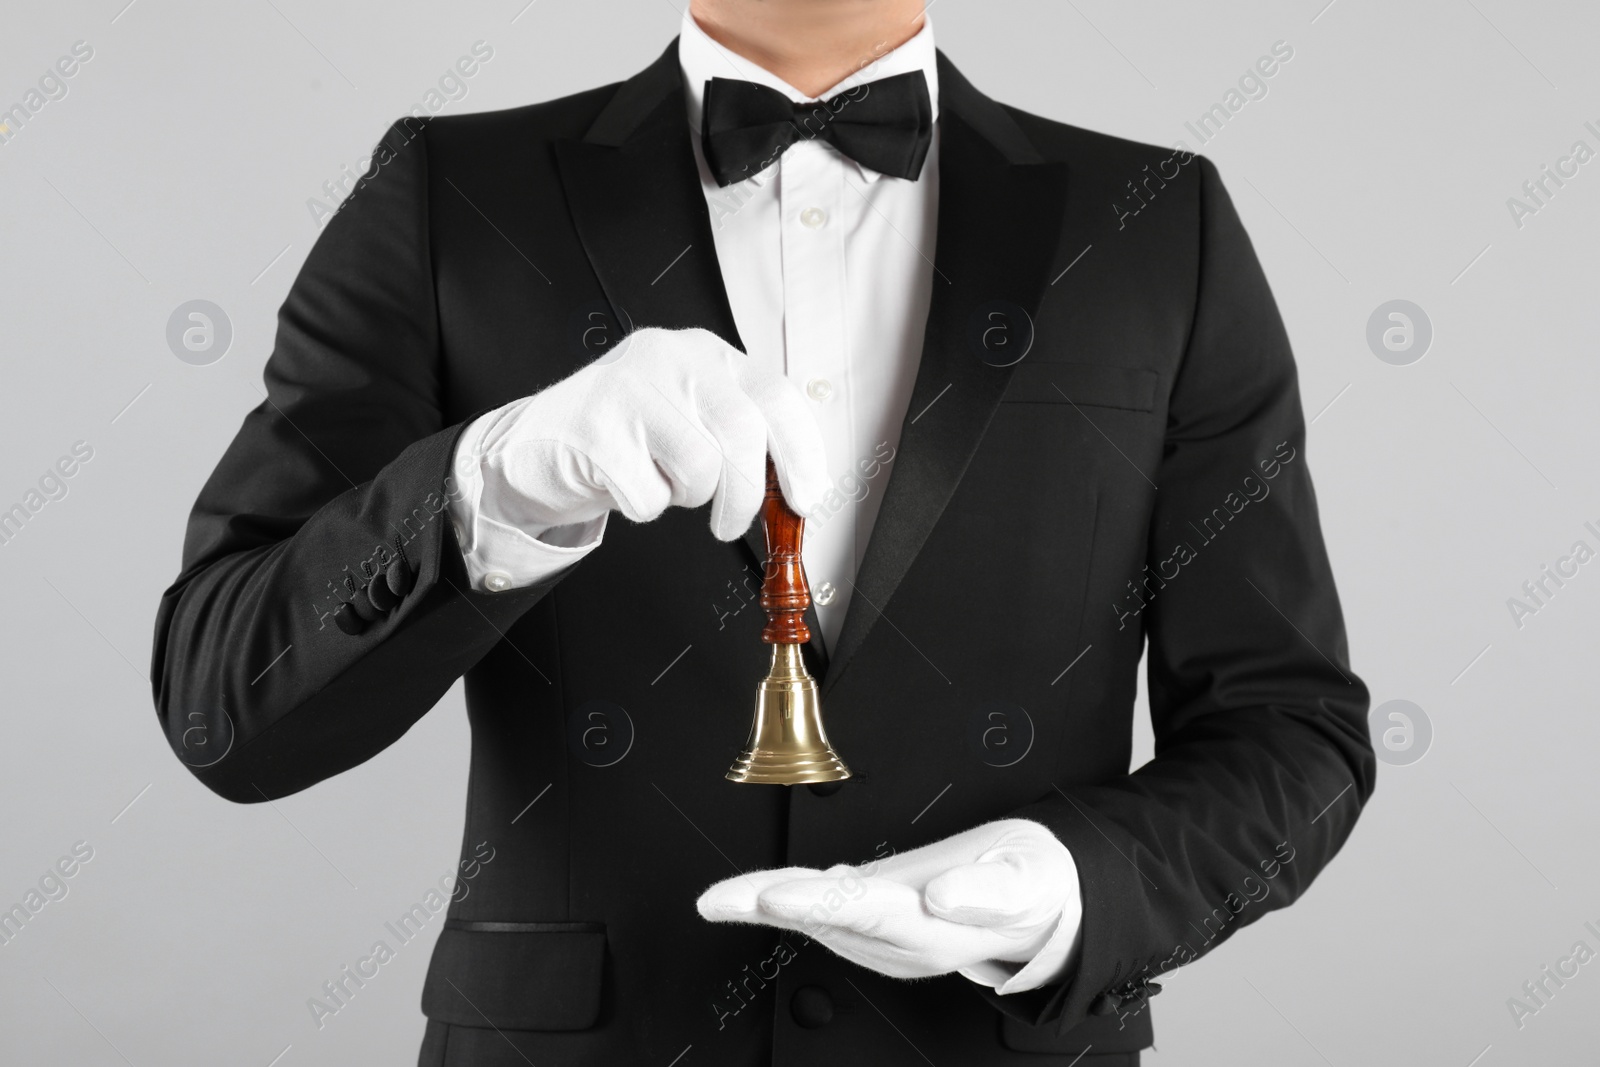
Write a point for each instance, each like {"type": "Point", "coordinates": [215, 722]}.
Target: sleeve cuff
{"type": "Point", "coordinates": [1052, 963]}
{"type": "Point", "coordinates": [499, 556]}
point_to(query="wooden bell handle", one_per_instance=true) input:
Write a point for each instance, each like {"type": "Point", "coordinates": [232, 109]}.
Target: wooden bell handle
{"type": "Point", "coordinates": [784, 593]}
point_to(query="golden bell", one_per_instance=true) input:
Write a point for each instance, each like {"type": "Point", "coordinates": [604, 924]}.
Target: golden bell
{"type": "Point", "coordinates": [787, 745]}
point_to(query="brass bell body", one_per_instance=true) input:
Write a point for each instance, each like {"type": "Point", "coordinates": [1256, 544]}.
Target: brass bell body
{"type": "Point", "coordinates": [787, 745]}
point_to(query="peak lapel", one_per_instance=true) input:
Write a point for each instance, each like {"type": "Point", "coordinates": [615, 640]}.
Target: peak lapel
{"type": "Point", "coordinates": [1000, 213]}
{"type": "Point", "coordinates": [634, 193]}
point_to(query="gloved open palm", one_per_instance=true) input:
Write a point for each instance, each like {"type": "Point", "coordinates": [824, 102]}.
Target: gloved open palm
{"type": "Point", "coordinates": [998, 893]}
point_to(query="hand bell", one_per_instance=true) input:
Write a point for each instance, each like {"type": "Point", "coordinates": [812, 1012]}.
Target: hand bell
{"type": "Point", "coordinates": [787, 744]}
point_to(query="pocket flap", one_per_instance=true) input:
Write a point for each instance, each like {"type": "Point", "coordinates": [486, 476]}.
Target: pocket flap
{"type": "Point", "coordinates": [1091, 384]}
{"type": "Point", "coordinates": [1102, 1033]}
{"type": "Point", "coordinates": [516, 976]}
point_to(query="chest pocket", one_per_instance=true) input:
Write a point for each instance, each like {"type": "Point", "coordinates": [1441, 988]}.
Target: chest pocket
{"type": "Point", "coordinates": [1085, 384]}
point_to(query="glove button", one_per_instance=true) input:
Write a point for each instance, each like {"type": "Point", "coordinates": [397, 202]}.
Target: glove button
{"type": "Point", "coordinates": [811, 1007]}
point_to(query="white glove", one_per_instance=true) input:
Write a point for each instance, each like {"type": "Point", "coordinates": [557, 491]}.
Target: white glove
{"type": "Point", "coordinates": [1005, 892]}
{"type": "Point", "coordinates": [668, 417]}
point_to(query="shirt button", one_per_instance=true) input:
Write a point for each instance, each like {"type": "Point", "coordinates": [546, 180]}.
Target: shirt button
{"type": "Point", "coordinates": [496, 582]}
{"type": "Point", "coordinates": [813, 218]}
{"type": "Point", "coordinates": [824, 594]}
{"type": "Point", "coordinates": [819, 389]}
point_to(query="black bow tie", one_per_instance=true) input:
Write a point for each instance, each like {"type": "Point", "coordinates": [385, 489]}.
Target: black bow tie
{"type": "Point", "coordinates": [886, 125]}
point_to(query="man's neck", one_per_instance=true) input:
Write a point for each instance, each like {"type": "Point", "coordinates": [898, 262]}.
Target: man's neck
{"type": "Point", "coordinates": [811, 44]}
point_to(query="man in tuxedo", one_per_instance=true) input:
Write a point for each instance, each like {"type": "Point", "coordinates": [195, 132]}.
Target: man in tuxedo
{"type": "Point", "coordinates": [1029, 385]}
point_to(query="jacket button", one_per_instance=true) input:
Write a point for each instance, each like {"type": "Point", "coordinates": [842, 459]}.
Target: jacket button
{"type": "Point", "coordinates": [399, 577]}
{"type": "Point", "coordinates": [348, 620]}
{"type": "Point", "coordinates": [362, 605]}
{"type": "Point", "coordinates": [811, 1007]}
{"type": "Point", "coordinates": [380, 594]}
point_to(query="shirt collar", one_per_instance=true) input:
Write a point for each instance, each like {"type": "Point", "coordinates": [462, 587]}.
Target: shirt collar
{"type": "Point", "coordinates": [701, 59]}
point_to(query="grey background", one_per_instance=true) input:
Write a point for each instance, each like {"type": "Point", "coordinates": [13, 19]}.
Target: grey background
{"type": "Point", "coordinates": [1376, 168]}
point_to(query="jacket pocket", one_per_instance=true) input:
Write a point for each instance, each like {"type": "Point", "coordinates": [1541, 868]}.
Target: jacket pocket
{"type": "Point", "coordinates": [1099, 1033]}
{"type": "Point", "coordinates": [516, 976]}
{"type": "Point", "coordinates": [1085, 384]}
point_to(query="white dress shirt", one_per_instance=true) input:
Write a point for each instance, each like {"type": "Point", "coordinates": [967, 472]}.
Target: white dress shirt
{"type": "Point", "coordinates": [829, 269]}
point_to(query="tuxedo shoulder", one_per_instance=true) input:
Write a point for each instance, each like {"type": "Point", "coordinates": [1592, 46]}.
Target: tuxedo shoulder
{"type": "Point", "coordinates": [1091, 149]}
{"type": "Point", "coordinates": [549, 120]}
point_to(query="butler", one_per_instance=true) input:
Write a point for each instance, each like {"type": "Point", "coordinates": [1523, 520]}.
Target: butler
{"type": "Point", "coordinates": [1003, 399]}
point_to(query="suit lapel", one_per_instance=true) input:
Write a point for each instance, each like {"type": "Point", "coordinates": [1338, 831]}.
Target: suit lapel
{"type": "Point", "coordinates": [1000, 212]}
{"type": "Point", "coordinates": [634, 192]}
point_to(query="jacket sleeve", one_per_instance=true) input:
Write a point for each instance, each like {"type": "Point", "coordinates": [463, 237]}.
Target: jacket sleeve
{"type": "Point", "coordinates": [343, 469]}
{"type": "Point", "coordinates": [1262, 757]}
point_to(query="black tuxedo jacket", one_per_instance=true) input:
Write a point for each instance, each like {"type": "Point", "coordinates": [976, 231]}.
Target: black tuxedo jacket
{"type": "Point", "coordinates": [1138, 475]}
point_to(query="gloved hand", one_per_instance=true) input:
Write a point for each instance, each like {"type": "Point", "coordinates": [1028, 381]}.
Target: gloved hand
{"type": "Point", "coordinates": [1003, 892]}
{"type": "Point", "coordinates": [669, 417]}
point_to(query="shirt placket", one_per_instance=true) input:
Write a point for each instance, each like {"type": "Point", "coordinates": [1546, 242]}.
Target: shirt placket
{"type": "Point", "coordinates": [816, 348]}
